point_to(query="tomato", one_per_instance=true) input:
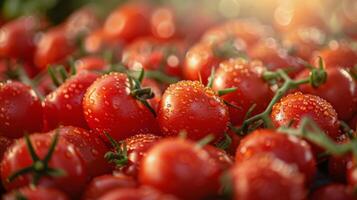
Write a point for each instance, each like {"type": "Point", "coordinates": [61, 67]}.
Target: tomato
{"type": "Point", "coordinates": [95, 41]}
{"type": "Point", "coordinates": [275, 57]}
{"type": "Point", "coordinates": [178, 167]}
{"type": "Point", "coordinates": [337, 54]}
{"type": "Point", "coordinates": [64, 105]}
{"type": "Point", "coordinates": [333, 192]}
{"type": "Point", "coordinates": [136, 194]}
{"type": "Point", "coordinates": [339, 85]}
{"type": "Point", "coordinates": [21, 110]}
{"type": "Point", "coordinates": [152, 54]}
{"type": "Point", "coordinates": [5, 143]}
{"type": "Point", "coordinates": [17, 38]}
{"type": "Point", "coordinates": [289, 149]}
{"type": "Point", "coordinates": [91, 63]}
{"type": "Point", "coordinates": [109, 107]}
{"type": "Point", "coordinates": [267, 177]}
{"type": "Point", "coordinates": [190, 106]}
{"type": "Point", "coordinates": [241, 74]}
{"type": "Point", "coordinates": [220, 157]}
{"type": "Point", "coordinates": [54, 46]}
{"type": "Point", "coordinates": [38, 193]}
{"type": "Point", "coordinates": [89, 147]}
{"type": "Point", "coordinates": [103, 184]}
{"type": "Point", "coordinates": [293, 107]}
{"type": "Point", "coordinates": [64, 158]}
{"type": "Point", "coordinates": [353, 122]}
{"type": "Point", "coordinates": [127, 22]}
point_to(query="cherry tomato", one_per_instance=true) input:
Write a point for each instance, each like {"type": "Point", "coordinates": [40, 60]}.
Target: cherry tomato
{"type": "Point", "coordinates": [241, 74]}
{"type": "Point", "coordinates": [190, 106]}
{"type": "Point", "coordinates": [64, 157]}
{"type": "Point", "coordinates": [38, 193]}
{"type": "Point", "coordinates": [89, 147]}
{"type": "Point", "coordinates": [136, 194]}
{"type": "Point", "coordinates": [91, 63]}
{"type": "Point", "coordinates": [53, 47]}
{"type": "Point", "coordinates": [220, 157]}
{"type": "Point", "coordinates": [64, 105]}
{"type": "Point", "coordinates": [103, 184]}
{"type": "Point", "coordinates": [109, 107]}
{"type": "Point", "coordinates": [293, 107]}
{"type": "Point", "coordinates": [127, 22]}
{"type": "Point", "coordinates": [339, 85]}
{"type": "Point", "coordinates": [267, 177]}
{"type": "Point", "coordinates": [178, 167]}
{"type": "Point", "coordinates": [21, 110]}
{"type": "Point", "coordinates": [333, 192]}
{"type": "Point", "coordinates": [289, 149]}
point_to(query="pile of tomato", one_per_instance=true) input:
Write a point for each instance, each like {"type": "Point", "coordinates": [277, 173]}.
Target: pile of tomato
{"type": "Point", "coordinates": [142, 106]}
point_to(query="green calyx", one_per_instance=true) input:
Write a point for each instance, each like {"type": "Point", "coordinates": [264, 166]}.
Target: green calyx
{"type": "Point", "coordinates": [119, 155]}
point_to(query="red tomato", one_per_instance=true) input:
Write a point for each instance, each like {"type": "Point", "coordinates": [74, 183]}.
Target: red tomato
{"type": "Point", "coordinates": [21, 110]}
{"type": "Point", "coordinates": [178, 167]}
{"type": "Point", "coordinates": [64, 157]}
{"type": "Point", "coordinates": [136, 194]}
{"type": "Point", "coordinates": [17, 38]}
{"type": "Point", "coordinates": [5, 143]}
{"type": "Point", "coordinates": [109, 107]}
{"type": "Point", "coordinates": [294, 107]}
{"type": "Point", "coordinates": [95, 41]}
{"type": "Point", "coordinates": [337, 54]}
{"type": "Point", "coordinates": [242, 74]}
{"type": "Point", "coordinates": [267, 177]}
{"type": "Point", "coordinates": [38, 193]}
{"type": "Point", "coordinates": [91, 63]}
{"type": "Point", "coordinates": [289, 149]}
{"type": "Point", "coordinates": [220, 157]}
{"type": "Point", "coordinates": [127, 23]}
{"type": "Point", "coordinates": [103, 184]}
{"type": "Point", "coordinates": [337, 165]}
{"type": "Point", "coordinates": [275, 57]}
{"type": "Point", "coordinates": [190, 106]}
{"type": "Point", "coordinates": [53, 47]}
{"type": "Point", "coordinates": [339, 85]}
{"type": "Point", "coordinates": [89, 147]}
{"type": "Point", "coordinates": [333, 192]}
{"type": "Point", "coordinates": [352, 173]}
{"type": "Point", "coordinates": [64, 105]}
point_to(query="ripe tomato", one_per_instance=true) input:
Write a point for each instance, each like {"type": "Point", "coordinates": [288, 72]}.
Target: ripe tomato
{"type": "Point", "coordinates": [17, 38]}
{"type": "Point", "coordinates": [21, 110]}
{"type": "Point", "coordinates": [103, 184]}
{"type": "Point", "coordinates": [91, 63]}
{"type": "Point", "coordinates": [109, 107]}
{"type": "Point", "coordinates": [337, 54]}
{"type": "Point", "coordinates": [267, 177]}
{"type": "Point", "coordinates": [339, 85]}
{"type": "Point", "coordinates": [178, 167]}
{"type": "Point", "coordinates": [333, 192]}
{"type": "Point", "coordinates": [5, 143]}
{"type": "Point", "coordinates": [127, 22]}
{"type": "Point", "coordinates": [242, 74]}
{"type": "Point", "coordinates": [89, 147]}
{"type": "Point", "coordinates": [142, 193]}
{"type": "Point", "coordinates": [54, 46]}
{"type": "Point", "coordinates": [64, 157]}
{"type": "Point", "coordinates": [220, 157]}
{"type": "Point", "coordinates": [64, 105]}
{"type": "Point", "coordinates": [337, 165]}
{"type": "Point", "coordinates": [38, 193]}
{"type": "Point", "coordinates": [289, 149]}
{"type": "Point", "coordinates": [152, 54]}
{"type": "Point", "coordinates": [190, 106]}
{"type": "Point", "coordinates": [293, 107]}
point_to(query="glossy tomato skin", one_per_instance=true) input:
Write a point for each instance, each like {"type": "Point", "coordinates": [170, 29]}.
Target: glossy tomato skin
{"type": "Point", "coordinates": [142, 193]}
{"type": "Point", "coordinates": [103, 184]}
{"type": "Point", "coordinates": [17, 38]}
{"type": "Point", "coordinates": [267, 177]}
{"type": "Point", "coordinates": [298, 105]}
{"type": "Point", "coordinates": [178, 167]}
{"type": "Point", "coordinates": [339, 85]}
{"type": "Point", "coordinates": [91, 63]}
{"type": "Point", "coordinates": [220, 157]}
{"type": "Point", "coordinates": [64, 105]}
{"type": "Point", "coordinates": [53, 47]}
{"type": "Point", "coordinates": [127, 22]}
{"type": "Point", "coordinates": [289, 149]}
{"type": "Point", "coordinates": [243, 75]}
{"type": "Point", "coordinates": [190, 106]}
{"type": "Point", "coordinates": [64, 157]}
{"type": "Point", "coordinates": [333, 192]}
{"type": "Point", "coordinates": [21, 110]}
{"type": "Point", "coordinates": [89, 147]}
{"type": "Point", "coordinates": [109, 107]}
{"type": "Point", "coordinates": [38, 193]}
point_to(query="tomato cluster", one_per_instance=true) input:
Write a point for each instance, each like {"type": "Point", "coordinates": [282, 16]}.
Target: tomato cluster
{"type": "Point", "coordinates": [136, 107]}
